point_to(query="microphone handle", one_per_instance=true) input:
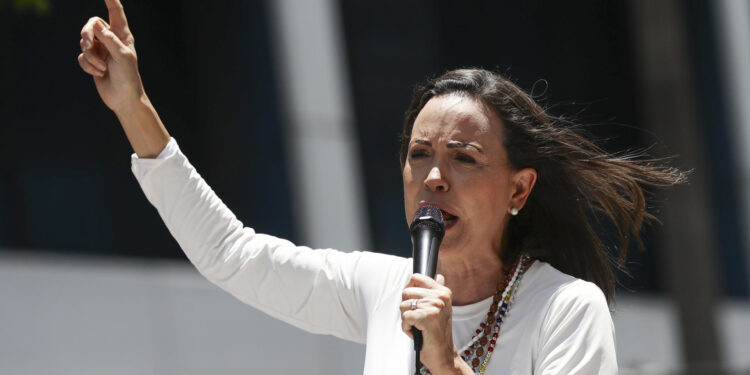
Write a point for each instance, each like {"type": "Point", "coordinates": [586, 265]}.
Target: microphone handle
{"type": "Point", "coordinates": [417, 348]}
{"type": "Point", "coordinates": [425, 262]}
{"type": "Point", "coordinates": [426, 253]}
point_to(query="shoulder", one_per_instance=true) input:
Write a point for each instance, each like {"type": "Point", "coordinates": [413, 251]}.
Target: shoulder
{"type": "Point", "coordinates": [576, 333]}
{"type": "Point", "coordinates": [557, 304]}
{"type": "Point", "coordinates": [556, 290]}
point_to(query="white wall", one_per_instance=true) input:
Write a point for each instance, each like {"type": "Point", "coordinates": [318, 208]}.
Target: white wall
{"type": "Point", "coordinates": [80, 315]}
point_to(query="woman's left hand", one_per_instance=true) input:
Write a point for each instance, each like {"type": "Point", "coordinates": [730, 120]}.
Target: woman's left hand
{"type": "Point", "coordinates": [432, 314]}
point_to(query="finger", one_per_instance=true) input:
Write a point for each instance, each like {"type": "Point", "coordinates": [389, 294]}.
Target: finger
{"type": "Point", "coordinates": [428, 305]}
{"type": "Point", "coordinates": [93, 57]}
{"type": "Point", "coordinates": [116, 16]}
{"type": "Point", "coordinates": [406, 327]}
{"type": "Point", "coordinates": [87, 32]}
{"type": "Point", "coordinates": [408, 319]}
{"type": "Point", "coordinates": [407, 304]}
{"type": "Point", "coordinates": [440, 279]}
{"type": "Point", "coordinates": [88, 68]}
{"type": "Point", "coordinates": [111, 42]}
{"type": "Point", "coordinates": [118, 21]}
{"type": "Point", "coordinates": [410, 293]}
{"type": "Point", "coordinates": [422, 281]}
{"type": "Point", "coordinates": [415, 318]}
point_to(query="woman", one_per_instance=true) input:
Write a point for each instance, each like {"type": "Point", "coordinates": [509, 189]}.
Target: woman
{"type": "Point", "coordinates": [523, 280]}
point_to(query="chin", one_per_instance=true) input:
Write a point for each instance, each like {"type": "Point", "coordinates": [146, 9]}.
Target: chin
{"type": "Point", "coordinates": [448, 251]}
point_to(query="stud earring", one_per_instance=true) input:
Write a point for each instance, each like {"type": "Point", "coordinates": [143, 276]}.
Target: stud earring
{"type": "Point", "coordinates": [514, 211]}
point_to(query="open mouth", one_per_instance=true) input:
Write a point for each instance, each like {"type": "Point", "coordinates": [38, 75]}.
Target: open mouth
{"type": "Point", "coordinates": [449, 218]}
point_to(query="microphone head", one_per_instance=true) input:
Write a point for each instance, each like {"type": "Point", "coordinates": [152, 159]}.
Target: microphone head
{"type": "Point", "coordinates": [428, 216]}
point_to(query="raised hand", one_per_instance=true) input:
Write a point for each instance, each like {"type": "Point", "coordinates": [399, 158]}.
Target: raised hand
{"type": "Point", "coordinates": [108, 54]}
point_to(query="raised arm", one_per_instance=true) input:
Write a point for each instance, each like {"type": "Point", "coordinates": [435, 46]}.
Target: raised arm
{"type": "Point", "coordinates": [108, 54]}
{"type": "Point", "coordinates": [322, 291]}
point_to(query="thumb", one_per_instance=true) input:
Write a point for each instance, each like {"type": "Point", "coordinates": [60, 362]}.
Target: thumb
{"type": "Point", "coordinates": [111, 42]}
{"type": "Point", "coordinates": [440, 279]}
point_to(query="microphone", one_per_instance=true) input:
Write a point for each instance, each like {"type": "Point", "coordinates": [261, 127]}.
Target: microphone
{"type": "Point", "coordinates": [427, 230]}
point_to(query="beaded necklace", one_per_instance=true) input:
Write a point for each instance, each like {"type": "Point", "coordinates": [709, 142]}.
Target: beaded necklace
{"type": "Point", "coordinates": [478, 351]}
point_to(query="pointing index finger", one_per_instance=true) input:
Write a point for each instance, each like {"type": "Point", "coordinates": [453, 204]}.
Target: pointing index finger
{"type": "Point", "coordinates": [117, 20]}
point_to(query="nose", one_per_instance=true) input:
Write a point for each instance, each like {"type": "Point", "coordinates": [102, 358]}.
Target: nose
{"type": "Point", "coordinates": [436, 181]}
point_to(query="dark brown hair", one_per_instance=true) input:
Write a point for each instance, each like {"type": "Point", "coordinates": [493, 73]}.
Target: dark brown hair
{"type": "Point", "coordinates": [577, 181]}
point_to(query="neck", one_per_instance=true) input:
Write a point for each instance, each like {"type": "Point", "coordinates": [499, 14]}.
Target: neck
{"type": "Point", "coordinates": [471, 281]}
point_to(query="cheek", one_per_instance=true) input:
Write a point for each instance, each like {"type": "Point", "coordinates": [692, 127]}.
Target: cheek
{"type": "Point", "coordinates": [411, 178]}
{"type": "Point", "coordinates": [408, 180]}
{"type": "Point", "coordinates": [490, 196]}
{"type": "Point", "coordinates": [406, 177]}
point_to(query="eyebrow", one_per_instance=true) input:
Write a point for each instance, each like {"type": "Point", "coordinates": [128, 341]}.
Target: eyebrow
{"type": "Point", "coordinates": [451, 144]}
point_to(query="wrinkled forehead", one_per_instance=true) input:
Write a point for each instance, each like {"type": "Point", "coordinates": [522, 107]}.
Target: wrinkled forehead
{"type": "Point", "coordinates": [457, 116]}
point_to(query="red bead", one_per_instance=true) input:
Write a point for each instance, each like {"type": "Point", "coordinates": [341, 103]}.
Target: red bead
{"type": "Point", "coordinates": [491, 349]}
{"type": "Point", "coordinates": [467, 352]}
{"type": "Point", "coordinates": [493, 342]}
{"type": "Point", "coordinates": [482, 325]}
{"type": "Point", "coordinates": [494, 335]}
{"type": "Point", "coordinates": [478, 331]}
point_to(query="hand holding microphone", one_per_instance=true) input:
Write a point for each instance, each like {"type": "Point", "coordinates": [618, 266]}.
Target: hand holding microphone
{"type": "Point", "coordinates": [426, 308]}
{"type": "Point", "coordinates": [427, 230]}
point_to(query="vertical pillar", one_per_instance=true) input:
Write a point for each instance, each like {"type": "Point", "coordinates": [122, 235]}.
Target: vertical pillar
{"type": "Point", "coordinates": [325, 167]}
{"type": "Point", "coordinates": [733, 35]}
{"type": "Point", "coordinates": [669, 101]}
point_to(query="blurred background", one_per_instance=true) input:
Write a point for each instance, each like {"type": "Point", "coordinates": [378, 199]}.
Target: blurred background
{"type": "Point", "coordinates": [292, 109]}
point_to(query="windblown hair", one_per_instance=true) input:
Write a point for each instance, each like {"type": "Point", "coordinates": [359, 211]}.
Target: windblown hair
{"type": "Point", "coordinates": [577, 181]}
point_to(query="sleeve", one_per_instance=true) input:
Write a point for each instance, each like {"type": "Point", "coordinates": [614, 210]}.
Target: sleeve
{"type": "Point", "coordinates": [577, 334]}
{"type": "Point", "coordinates": [320, 291]}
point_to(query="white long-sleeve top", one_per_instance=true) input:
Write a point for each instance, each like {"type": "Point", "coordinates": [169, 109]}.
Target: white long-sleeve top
{"type": "Point", "coordinates": [557, 325]}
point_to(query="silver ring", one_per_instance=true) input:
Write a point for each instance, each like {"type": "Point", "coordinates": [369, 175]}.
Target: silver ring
{"type": "Point", "coordinates": [414, 304]}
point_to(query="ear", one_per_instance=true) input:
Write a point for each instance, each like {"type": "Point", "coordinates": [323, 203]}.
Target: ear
{"type": "Point", "coordinates": [523, 181]}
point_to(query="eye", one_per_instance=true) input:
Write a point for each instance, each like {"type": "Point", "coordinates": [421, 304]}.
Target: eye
{"type": "Point", "coordinates": [465, 158]}
{"type": "Point", "coordinates": [417, 154]}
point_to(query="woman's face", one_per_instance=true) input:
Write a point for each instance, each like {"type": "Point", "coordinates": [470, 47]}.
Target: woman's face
{"type": "Point", "coordinates": [456, 161]}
